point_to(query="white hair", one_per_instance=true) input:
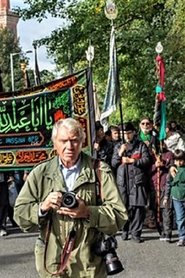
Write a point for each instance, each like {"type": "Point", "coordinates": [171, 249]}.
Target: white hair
{"type": "Point", "coordinates": [70, 124]}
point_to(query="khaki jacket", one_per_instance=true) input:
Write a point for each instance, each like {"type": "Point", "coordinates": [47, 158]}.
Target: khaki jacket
{"type": "Point", "coordinates": [107, 218]}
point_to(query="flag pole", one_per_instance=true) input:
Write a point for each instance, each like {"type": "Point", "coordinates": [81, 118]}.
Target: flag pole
{"type": "Point", "coordinates": [36, 70]}
{"type": "Point", "coordinates": [160, 103]}
{"type": "Point", "coordinates": [120, 105]}
{"type": "Point", "coordinates": [1, 82]}
{"type": "Point", "coordinates": [159, 121]}
{"type": "Point", "coordinates": [90, 57]}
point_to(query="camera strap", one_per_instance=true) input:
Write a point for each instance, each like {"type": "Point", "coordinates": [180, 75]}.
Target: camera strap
{"type": "Point", "coordinates": [98, 182]}
{"type": "Point", "coordinates": [68, 247]}
{"type": "Point", "coordinates": [70, 241]}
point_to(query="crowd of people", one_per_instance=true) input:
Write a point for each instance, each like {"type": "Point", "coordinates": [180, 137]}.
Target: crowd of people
{"type": "Point", "coordinates": [75, 200]}
{"type": "Point", "coordinates": [142, 166]}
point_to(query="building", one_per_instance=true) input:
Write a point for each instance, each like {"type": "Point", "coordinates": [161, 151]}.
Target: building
{"type": "Point", "coordinates": [8, 19]}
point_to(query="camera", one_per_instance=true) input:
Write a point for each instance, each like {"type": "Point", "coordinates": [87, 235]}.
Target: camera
{"type": "Point", "coordinates": [69, 200]}
{"type": "Point", "coordinates": [106, 249]}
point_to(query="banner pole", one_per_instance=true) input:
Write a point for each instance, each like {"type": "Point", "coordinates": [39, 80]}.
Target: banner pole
{"type": "Point", "coordinates": [90, 93]}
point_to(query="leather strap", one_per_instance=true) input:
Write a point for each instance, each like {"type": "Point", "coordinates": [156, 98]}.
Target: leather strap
{"type": "Point", "coordinates": [96, 165]}
{"type": "Point", "coordinates": [68, 247]}
{"type": "Point", "coordinates": [69, 244]}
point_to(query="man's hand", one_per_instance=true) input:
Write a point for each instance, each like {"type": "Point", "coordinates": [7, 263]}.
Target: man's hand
{"type": "Point", "coordinates": [81, 211]}
{"type": "Point", "coordinates": [173, 171]}
{"type": "Point", "coordinates": [96, 146]}
{"type": "Point", "coordinates": [127, 160]}
{"type": "Point", "coordinates": [122, 149]}
{"type": "Point", "coordinates": [159, 163]}
{"type": "Point", "coordinates": [147, 143]}
{"type": "Point", "coordinates": [52, 201]}
{"type": "Point", "coordinates": [165, 202]}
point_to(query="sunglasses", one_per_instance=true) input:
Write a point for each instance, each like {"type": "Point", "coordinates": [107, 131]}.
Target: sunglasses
{"type": "Point", "coordinates": [145, 123]}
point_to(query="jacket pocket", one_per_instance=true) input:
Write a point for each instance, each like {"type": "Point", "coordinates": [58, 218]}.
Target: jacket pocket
{"type": "Point", "coordinates": [39, 256]}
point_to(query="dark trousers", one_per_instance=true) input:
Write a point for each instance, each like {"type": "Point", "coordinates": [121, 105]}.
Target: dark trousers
{"type": "Point", "coordinates": [165, 225]}
{"type": "Point", "coordinates": [3, 215]}
{"type": "Point", "coordinates": [134, 225]}
{"type": "Point", "coordinates": [10, 215]}
{"type": "Point", "coordinates": [167, 216]}
{"type": "Point", "coordinates": [3, 203]}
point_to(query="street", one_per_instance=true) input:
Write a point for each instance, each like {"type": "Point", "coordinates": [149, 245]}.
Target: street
{"type": "Point", "coordinates": [150, 259]}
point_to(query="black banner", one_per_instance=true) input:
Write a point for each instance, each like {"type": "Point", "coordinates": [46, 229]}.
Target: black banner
{"type": "Point", "coordinates": [26, 120]}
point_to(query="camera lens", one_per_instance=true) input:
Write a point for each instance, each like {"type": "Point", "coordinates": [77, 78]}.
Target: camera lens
{"type": "Point", "coordinates": [106, 249]}
{"type": "Point", "coordinates": [113, 264]}
{"type": "Point", "coordinates": [69, 200]}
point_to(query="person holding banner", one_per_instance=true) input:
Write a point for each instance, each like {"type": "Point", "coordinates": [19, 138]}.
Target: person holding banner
{"type": "Point", "coordinates": [163, 215]}
{"type": "Point", "coordinates": [132, 181]}
{"type": "Point", "coordinates": [75, 201]}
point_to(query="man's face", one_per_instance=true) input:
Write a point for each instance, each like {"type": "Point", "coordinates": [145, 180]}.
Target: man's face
{"type": "Point", "coordinates": [115, 135]}
{"type": "Point", "coordinates": [179, 162]}
{"type": "Point", "coordinates": [128, 135]}
{"type": "Point", "coordinates": [100, 133]}
{"type": "Point", "coordinates": [173, 125]}
{"type": "Point", "coordinates": [145, 126]}
{"type": "Point", "coordinates": [68, 146]}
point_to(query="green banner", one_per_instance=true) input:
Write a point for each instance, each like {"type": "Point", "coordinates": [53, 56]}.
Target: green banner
{"type": "Point", "coordinates": [27, 118]}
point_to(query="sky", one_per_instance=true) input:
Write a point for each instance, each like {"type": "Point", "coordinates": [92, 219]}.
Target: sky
{"type": "Point", "coordinates": [31, 30]}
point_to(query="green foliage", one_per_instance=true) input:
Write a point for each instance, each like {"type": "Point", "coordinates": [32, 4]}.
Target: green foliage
{"type": "Point", "coordinates": [46, 76]}
{"type": "Point", "coordinates": [139, 26]}
{"type": "Point", "coordinates": [8, 45]}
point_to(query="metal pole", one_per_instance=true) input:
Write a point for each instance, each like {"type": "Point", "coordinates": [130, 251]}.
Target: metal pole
{"type": "Point", "coordinates": [12, 71]}
{"type": "Point", "coordinates": [90, 57]}
{"type": "Point", "coordinates": [12, 66]}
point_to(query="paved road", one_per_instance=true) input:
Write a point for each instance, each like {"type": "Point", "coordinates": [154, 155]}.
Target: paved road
{"type": "Point", "coordinates": [150, 259]}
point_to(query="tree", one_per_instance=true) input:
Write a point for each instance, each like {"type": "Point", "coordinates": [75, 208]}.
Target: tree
{"type": "Point", "coordinates": [140, 25]}
{"type": "Point", "coordinates": [47, 76]}
{"type": "Point", "coordinates": [8, 45]}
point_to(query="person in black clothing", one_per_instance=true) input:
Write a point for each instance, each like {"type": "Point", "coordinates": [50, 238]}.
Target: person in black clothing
{"type": "Point", "coordinates": [3, 202]}
{"type": "Point", "coordinates": [149, 135]}
{"type": "Point", "coordinates": [104, 148]}
{"type": "Point", "coordinates": [15, 183]}
{"type": "Point", "coordinates": [146, 134]}
{"type": "Point", "coordinates": [117, 155]}
{"type": "Point", "coordinates": [132, 181]}
{"type": "Point", "coordinates": [9, 181]}
{"type": "Point", "coordinates": [115, 134]}
{"type": "Point", "coordinates": [108, 136]}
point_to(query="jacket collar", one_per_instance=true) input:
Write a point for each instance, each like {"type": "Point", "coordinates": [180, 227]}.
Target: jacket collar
{"type": "Point", "coordinates": [53, 172]}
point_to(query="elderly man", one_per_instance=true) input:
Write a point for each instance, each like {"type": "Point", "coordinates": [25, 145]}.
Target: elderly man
{"type": "Point", "coordinates": [69, 229]}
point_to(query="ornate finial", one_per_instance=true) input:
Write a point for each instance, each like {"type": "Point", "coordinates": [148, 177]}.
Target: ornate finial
{"type": "Point", "coordinates": [159, 48]}
{"type": "Point", "coordinates": [90, 53]}
{"type": "Point", "coordinates": [111, 11]}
